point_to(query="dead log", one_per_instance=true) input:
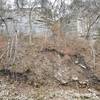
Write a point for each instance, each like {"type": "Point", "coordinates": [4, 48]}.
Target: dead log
{"type": "Point", "coordinates": [61, 54]}
{"type": "Point", "coordinates": [94, 81]}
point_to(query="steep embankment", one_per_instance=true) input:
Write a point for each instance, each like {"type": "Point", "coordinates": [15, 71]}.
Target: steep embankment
{"type": "Point", "coordinates": [45, 64]}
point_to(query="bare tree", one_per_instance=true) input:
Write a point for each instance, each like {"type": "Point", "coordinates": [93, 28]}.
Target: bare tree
{"type": "Point", "coordinates": [20, 3]}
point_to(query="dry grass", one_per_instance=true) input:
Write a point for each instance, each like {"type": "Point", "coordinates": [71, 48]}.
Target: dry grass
{"type": "Point", "coordinates": [3, 42]}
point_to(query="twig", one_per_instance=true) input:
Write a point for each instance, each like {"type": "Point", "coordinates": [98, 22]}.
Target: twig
{"type": "Point", "coordinates": [3, 54]}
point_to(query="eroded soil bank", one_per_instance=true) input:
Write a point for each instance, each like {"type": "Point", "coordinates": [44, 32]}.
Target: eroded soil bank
{"type": "Point", "coordinates": [49, 70]}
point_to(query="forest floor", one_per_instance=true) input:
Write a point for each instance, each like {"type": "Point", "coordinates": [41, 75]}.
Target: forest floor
{"type": "Point", "coordinates": [15, 91]}
{"type": "Point", "coordinates": [47, 69]}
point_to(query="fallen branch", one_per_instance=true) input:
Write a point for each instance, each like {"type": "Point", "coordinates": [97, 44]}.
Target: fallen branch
{"type": "Point", "coordinates": [89, 74]}
{"type": "Point", "coordinates": [53, 51]}
{"type": "Point", "coordinates": [2, 55]}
